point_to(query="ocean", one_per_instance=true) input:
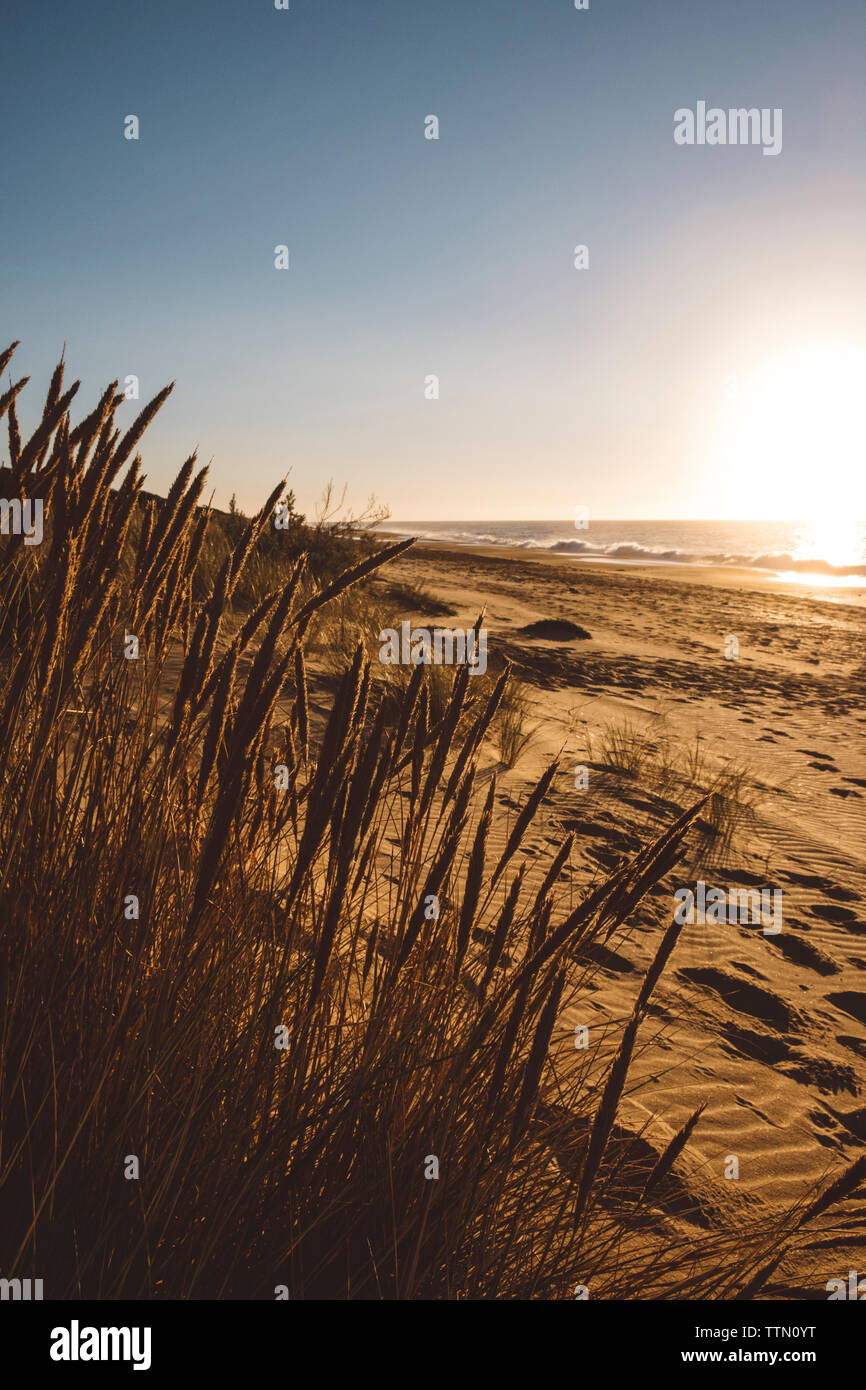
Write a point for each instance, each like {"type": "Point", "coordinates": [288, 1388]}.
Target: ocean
{"type": "Point", "coordinates": [816, 552]}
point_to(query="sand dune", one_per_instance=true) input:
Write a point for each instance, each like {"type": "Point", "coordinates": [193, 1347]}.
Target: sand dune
{"type": "Point", "coordinates": [769, 1030]}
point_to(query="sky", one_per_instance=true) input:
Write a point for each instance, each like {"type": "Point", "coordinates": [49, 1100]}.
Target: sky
{"type": "Point", "coordinates": [689, 371]}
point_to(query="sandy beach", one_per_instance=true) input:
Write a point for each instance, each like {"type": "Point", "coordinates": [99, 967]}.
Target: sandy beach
{"type": "Point", "coordinates": [768, 1029]}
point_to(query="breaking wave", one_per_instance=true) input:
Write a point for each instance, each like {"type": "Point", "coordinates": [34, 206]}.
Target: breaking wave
{"type": "Point", "coordinates": [620, 548]}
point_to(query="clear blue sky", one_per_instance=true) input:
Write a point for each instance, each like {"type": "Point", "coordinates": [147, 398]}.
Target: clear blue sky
{"type": "Point", "coordinates": [559, 388]}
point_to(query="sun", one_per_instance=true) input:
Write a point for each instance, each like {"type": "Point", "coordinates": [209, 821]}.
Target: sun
{"type": "Point", "coordinates": [795, 436]}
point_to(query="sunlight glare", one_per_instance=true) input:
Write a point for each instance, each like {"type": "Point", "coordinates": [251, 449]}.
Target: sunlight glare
{"type": "Point", "coordinates": [796, 444]}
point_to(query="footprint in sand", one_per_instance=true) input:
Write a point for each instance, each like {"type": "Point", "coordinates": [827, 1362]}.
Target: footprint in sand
{"type": "Point", "coordinates": [854, 1121]}
{"type": "Point", "coordinates": [746, 878]}
{"type": "Point", "coordinates": [608, 858]}
{"type": "Point", "coordinates": [758, 1047]}
{"type": "Point", "coordinates": [850, 1001]}
{"type": "Point", "coordinates": [832, 912]}
{"type": "Point", "coordinates": [806, 880]}
{"type": "Point", "coordinates": [841, 895]}
{"type": "Point", "coordinates": [843, 791]}
{"type": "Point", "coordinates": [830, 1078]}
{"type": "Point", "coordinates": [746, 998]}
{"type": "Point", "coordinates": [803, 953]}
{"type": "Point", "coordinates": [608, 960]}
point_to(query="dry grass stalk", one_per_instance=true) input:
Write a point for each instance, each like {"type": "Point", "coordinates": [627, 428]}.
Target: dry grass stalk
{"type": "Point", "coordinates": [168, 908]}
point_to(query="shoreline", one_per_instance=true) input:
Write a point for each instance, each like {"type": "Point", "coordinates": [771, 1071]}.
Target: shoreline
{"type": "Point", "coordinates": [719, 576]}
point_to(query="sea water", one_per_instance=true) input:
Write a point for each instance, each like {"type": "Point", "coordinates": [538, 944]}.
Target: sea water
{"type": "Point", "coordinates": [826, 552]}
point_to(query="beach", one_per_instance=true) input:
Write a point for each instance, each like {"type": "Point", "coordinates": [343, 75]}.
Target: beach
{"type": "Point", "coordinates": [516, 893]}
{"type": "Point", "coordinates": [769, 1029]}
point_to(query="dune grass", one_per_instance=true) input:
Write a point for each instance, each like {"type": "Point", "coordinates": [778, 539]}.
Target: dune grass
{"type": "Point", "coordinates": [513, 731]}
{"type": "Point", "coordinates": [681, 770]}
{"type": "Point", "coordinates": [415, 599]}
{"type": "Point", "coordinates": [220, 952]}
{"type": "Point", "coordinates": [628, 749]}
